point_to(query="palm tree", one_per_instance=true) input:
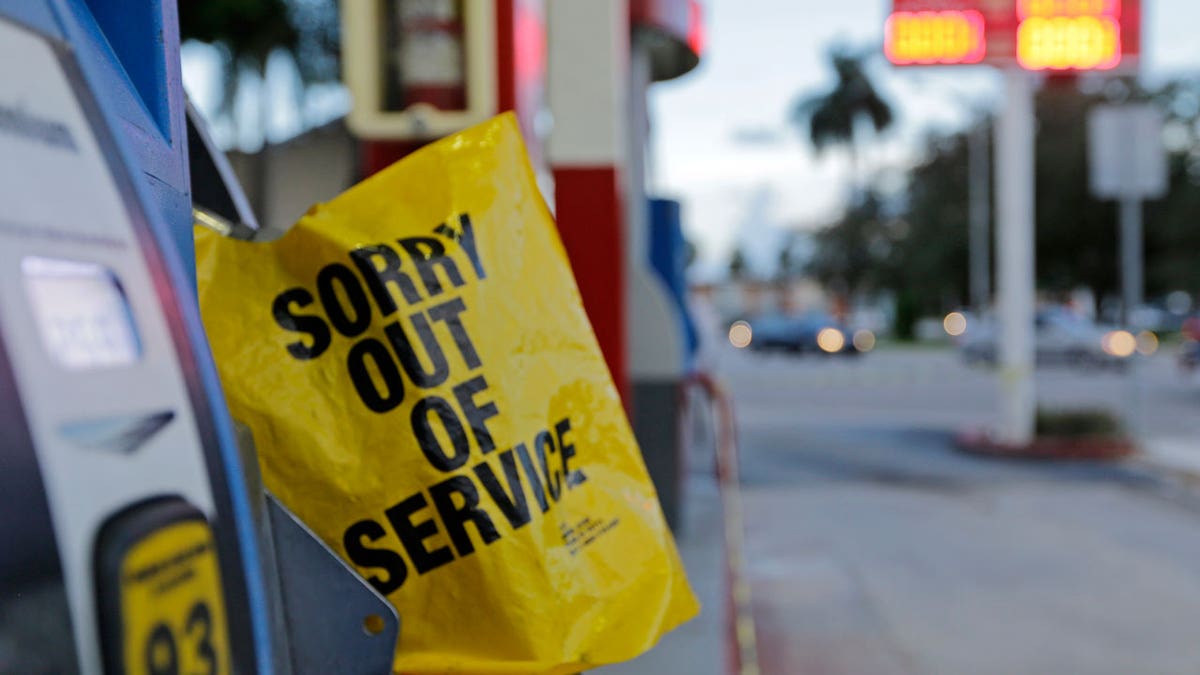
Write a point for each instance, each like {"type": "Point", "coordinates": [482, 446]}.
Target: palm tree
{"type": "Point", "coordinates": [737, 264]}
{"type": "Point", "coordinates": [247, 33]}
{"type": "Point", "coordinates": [835, 117]}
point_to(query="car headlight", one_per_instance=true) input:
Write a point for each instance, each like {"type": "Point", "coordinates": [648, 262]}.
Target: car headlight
{"type": "Point", "coordinates": [831, 340]}
{"type": "Point", "coordinates": [740, 334]}
{"type": "Point", "coordinates": [955, 324]}
{"type": "Point", "coordinates": [1118, 343]}
{"type": "Point", "coordinates": [864, 340]}
{"type": "Point", "coordinates": [1147, 343]}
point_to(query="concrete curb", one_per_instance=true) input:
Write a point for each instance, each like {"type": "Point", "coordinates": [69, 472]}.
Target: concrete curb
{"type": "Point", "coordinates": [742, 633]}
{"type": "Point", "coordinates": [1048, 447]}
{"type": "Point", "coordinates": [1178, 457]}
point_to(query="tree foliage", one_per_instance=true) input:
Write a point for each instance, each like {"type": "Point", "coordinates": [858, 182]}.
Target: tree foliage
{"type": "Point", "coordinates": [851, 255]}
{"type": "Point", "coordinates": [915, 246]}
{"type": "Point", "coordinates": [737, 264]}
{"type": "Point", "coordinates": [1077, 235]}
{"type": "Point", "coordinates": [1173, 224]}
{"type": "Point", "coordinates": [249, 31]}
{"type": "Point", "coordinates": [929, 259]}
{"type": "Point", "coordinates": [833, 117]}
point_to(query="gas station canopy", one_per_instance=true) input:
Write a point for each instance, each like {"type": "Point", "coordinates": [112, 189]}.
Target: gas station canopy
{"type": "Point", "coordinates": [1058, 35]}
{"type": "Point", "coordinates": [675, 30]}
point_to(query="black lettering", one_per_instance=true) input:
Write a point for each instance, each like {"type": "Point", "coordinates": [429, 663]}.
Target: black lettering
{"type": "Point", "coordinates": [477, 415]}
{"type": "Point", "coordinates": [428, 254]}
{"type": "Point", "coordinates": [199, 629]}
{"type": "Point", "coordinates": [515, 507]}
{"type": "Point", "coordinates": [161, 651]}
{"type": "Point", "coordinates": [413, 535]}
{"type": "Point", "coordinates": [576, 477]}
{"type": "Point", "coordinates": [430, 445]}
{"type": "Point", "coordinates": [448, 313]}
{"type": "Point", "coordinates": [535, 480]}
{"type": "Point", "coordinates": [313, 325]}
{"type": "Point", "coordinates": [364, 384]}
{"type": "Point", "coordinates": [364, 556]}
{"type": "Point", "coordinates": [354, 293]}
{"type": "Point", "coordinates": [439, 368]}
{"type": "Point", "coordinates": [455, 516]}
{"type": "Point", "coordinates": [543, 441]}
{"type": "Point", "coordinates": [467, 238]}
{"type": "Point", "coordinates": [378, 277]}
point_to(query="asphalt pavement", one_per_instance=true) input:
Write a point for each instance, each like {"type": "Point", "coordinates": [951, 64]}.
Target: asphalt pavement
{"type": "Point", "coordinates": [874, 547]}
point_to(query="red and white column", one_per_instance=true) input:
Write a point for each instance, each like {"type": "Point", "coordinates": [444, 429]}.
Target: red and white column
{"type": "Point", "coordinates": [588, 85]}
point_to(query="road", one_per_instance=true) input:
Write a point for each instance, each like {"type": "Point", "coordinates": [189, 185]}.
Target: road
{"type": "Point", "coordinates": [875, 548]}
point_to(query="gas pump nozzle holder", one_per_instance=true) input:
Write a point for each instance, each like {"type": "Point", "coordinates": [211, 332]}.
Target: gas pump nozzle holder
{"type": "Point", "coordinates": [136, 519]}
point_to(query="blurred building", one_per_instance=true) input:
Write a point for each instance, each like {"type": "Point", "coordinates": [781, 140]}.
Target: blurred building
{"type": "Point", "coordinates": [284, 179]}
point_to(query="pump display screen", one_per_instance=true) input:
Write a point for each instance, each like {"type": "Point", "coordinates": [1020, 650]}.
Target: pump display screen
{"type": "Point", "coordinates": [81, 312]}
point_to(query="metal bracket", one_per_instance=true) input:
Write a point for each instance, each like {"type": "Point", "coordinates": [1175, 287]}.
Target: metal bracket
{"type": "Point", "coordinates": [218, 201]}
{"type": "Point", "coordinates": [336, 622]}
{"type": "Point", "coordinates": [324, 617]}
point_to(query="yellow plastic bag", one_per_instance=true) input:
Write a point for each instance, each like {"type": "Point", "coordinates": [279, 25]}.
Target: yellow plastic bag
{"type": "Point", "coordinates": [427, 395]}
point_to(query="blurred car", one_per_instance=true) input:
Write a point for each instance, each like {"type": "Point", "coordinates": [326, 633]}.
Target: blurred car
{"type": "Point", "coordinates": [1156, 318]}
{"type": "Point", "coordinates": [1189, 350]}
{"type": "Point", "coordinates": [1060, 337]}
{"type": "Point", "coordinates": [811, 332]}
{"type": "Point", "coordinates": [1190, 328]}
{"type": "Point", "coordinates": [1189, 354]}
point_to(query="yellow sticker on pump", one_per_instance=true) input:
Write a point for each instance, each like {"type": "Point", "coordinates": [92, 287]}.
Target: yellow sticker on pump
{"type": "Point", "coordinates": [171, 604]}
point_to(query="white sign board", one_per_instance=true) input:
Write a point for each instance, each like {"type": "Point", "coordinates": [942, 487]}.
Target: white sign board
{"type": "Point", "coordinates": [1126, 158]}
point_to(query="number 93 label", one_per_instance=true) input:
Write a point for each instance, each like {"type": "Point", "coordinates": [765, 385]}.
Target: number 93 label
{"type": "Point", "coordinates": [159, 574]}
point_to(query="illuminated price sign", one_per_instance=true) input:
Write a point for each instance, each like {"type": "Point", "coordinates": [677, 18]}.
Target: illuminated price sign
{"type": "Point", "coordinates": [1076, 34]}
{"type": "Point", "coordinates": [945, 37]}
{"type": "Point", "coordinates": [1062, 35]}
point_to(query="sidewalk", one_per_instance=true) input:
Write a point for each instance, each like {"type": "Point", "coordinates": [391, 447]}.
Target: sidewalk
{"type": "Point", "coordinates": [1178, 456]}
{"type": "Point", "coordinates": [885, 551]}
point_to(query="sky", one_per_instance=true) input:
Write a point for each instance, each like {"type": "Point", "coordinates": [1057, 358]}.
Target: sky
{"type": "Point", "coordinates": [720, 139]}
{"type": "Point", "coordinates": [764, 54]}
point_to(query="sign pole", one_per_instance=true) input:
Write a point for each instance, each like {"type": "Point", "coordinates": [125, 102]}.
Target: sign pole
{"type": "Point", "coordinates": [979, 177]}
{"type": "Point", "coordinates": [1127, 162]}
{"type": "Point", "coordinates": [1015, 257]}
{"type": "Point", "coordinates": [1130, 216]}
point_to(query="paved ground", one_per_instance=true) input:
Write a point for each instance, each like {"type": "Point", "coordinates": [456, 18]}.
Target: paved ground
{"type": "Point", "coordinates": [875, 548]}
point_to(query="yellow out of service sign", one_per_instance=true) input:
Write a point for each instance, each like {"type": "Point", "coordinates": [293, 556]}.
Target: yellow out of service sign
{"type": "Point", "coordinates": [426, 393]}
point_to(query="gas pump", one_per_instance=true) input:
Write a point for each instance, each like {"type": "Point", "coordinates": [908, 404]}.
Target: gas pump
{"type": "Point", "coordinates": [135, 536]}
{"type": "Point", "coordinates": [126, 544]}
